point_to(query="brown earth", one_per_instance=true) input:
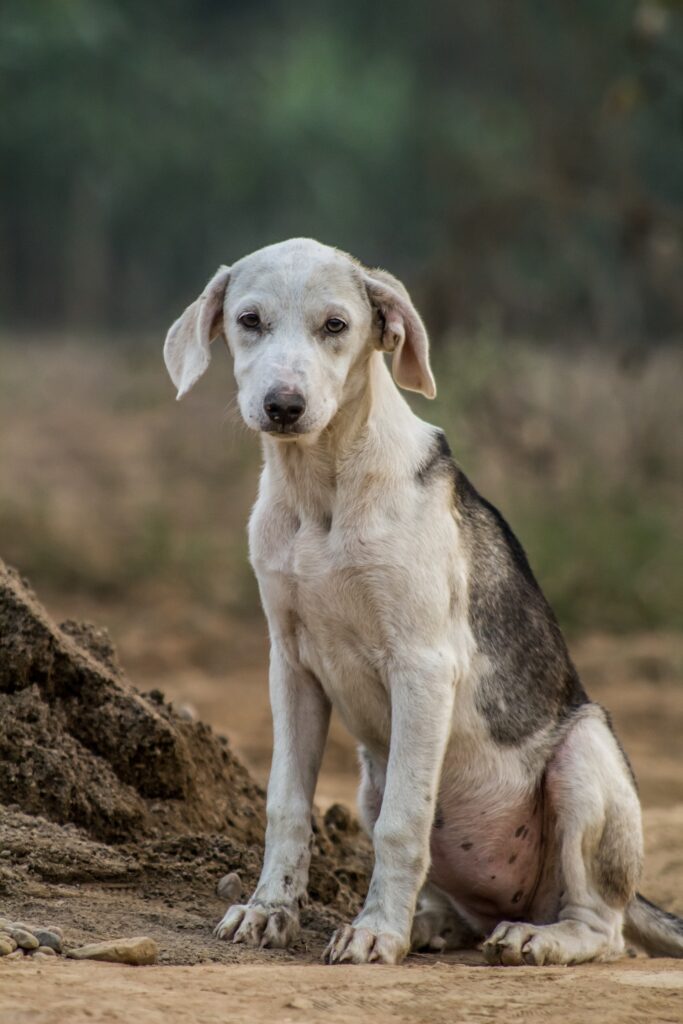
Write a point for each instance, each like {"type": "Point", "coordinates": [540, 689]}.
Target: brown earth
{"type": "Point", "coordinates": [157, 807]}
{"type": "Point", "coordinates": [110, 792]}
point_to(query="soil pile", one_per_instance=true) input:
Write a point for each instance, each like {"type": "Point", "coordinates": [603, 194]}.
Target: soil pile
{"type": "Point", "coordinates": [108, 788]}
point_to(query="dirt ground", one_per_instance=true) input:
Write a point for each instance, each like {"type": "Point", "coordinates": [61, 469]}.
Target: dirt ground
{"type": "Point", "coordinates": [165, 886]}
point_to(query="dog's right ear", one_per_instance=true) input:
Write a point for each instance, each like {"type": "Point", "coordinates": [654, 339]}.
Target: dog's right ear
{"type": "Point", "coordinates": [403, 332]}
{"type": "Point", "coordinates": [186, 349]}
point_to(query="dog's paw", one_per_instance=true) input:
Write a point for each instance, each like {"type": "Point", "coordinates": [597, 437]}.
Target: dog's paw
{"type": "Point", "coordinates": [260, 924]}
{"type": "Point", "coordinates": [357, 945]}
{"type": "Point", "coordinates": [506, 943]}
{"type": "Point", "coordinates": [514, 945]}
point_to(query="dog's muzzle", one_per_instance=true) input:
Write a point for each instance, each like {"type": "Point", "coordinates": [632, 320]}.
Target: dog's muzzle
{"type": "Point", "coordinates": [283, 407]}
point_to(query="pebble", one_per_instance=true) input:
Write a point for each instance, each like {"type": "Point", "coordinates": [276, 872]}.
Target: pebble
{"type": "Point", "coordinates": [300, 1003]}
{"type": "Point", "coordinates": [18, 954]}
{"type": "Point", "coordinates": [229, 887]}
{"type": "Point", "coordinates": [24, 939]}
{"type": "Point", "coordinates": [137, 951]}
{"type": "Point", "coordinates": [48, 938]}
{"type": "Point", "coordinates": [7, 945]}
{"type": "Point", "coordinates": [188, 712]}
{"type": "Point", "coordinates": [45, 951]}
{"type": "Point", "coordinates": [56, 930]}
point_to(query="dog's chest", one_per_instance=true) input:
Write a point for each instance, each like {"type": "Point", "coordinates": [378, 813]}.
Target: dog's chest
{"type": "Point", "coordinates": [332, 588]}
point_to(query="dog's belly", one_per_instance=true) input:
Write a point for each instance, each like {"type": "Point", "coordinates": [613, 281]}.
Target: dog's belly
{"type": "Point", "coordinates": [488, 855]}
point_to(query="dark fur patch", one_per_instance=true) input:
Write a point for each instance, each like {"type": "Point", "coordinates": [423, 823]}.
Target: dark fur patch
{"type": "Point", "coordinates": [667, 920]}
{"type": "Point", "coordinates": [531, 680]}
{"type": "Point", "coordinates": [437, 461]}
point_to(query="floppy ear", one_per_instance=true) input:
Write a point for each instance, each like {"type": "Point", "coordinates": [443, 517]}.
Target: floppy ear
{"type": "Point", "coordinates": [186, 349]}
{"type": "Point", "coordinates": [403, 332]}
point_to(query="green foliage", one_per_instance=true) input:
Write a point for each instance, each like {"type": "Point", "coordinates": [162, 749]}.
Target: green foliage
{"type": "Point", "coordinates": [522, 159]}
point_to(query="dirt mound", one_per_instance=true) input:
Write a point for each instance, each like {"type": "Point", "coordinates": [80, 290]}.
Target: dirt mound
{"type": "Point", "coordinates": [100, 783]}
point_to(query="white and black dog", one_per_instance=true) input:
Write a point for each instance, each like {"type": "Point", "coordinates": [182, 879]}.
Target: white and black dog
{"type": "Point", "coordinates": [500, 804]}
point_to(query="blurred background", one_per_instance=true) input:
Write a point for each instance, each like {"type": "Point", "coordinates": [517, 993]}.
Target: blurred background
{"type": "Point", "coordinates": [520, 166]}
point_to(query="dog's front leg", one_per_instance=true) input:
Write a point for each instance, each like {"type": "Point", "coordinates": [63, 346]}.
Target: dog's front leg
{"type": "Point", "coordinates": [421, 709]}
{"type": "Point", "coordinates": [301, 715]}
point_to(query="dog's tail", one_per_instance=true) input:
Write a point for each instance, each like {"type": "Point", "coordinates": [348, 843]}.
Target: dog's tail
{"type": "Point", "coordinates": [656, 931]}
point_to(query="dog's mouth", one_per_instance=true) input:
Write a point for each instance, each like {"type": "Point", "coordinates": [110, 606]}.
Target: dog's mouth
{"type": "Point", "coordinates": [283, 432]}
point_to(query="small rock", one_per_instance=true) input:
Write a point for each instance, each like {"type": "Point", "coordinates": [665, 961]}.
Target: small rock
{"type": "Point", "coordinates": [18, 954]}
{"type": "Point", "coordinates": [229, 887]}
{"type": "Point", "coordinates": [299, 1003]}
{"type": "Point", "coordinates": [7, 945]}
{"type": "Point", "coordinates": [56, 930]}
{"type": "Point", "coordinates": [5, 923]}
{"type": "Point", "coordinates": [48, 938]}
{"type": "Point", "coordinates": [138, 951]}
{"type": "Point", "coordinates": [5, 854]}
{"type": "Point", "coordinates": [188, 712]}
{"type": "Point", "coordinates": [24, 938]}
{"type": "Point", "coordinates": [45, 951]}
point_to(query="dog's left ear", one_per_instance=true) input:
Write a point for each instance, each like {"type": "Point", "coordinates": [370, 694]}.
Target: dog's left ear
{"type": "Point", "coordinates": [186, 349]}
{"type": "Point", "coordinates": [403, 332]}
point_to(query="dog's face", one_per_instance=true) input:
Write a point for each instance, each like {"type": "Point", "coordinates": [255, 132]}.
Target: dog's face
{"type": "Point", "coordinates": [301, 320]}
{"type": "Point", "coordinates": [298, 323]}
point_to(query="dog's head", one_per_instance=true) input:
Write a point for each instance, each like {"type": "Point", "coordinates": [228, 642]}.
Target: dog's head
{"type": "Point", "coordinates": [301, 320]}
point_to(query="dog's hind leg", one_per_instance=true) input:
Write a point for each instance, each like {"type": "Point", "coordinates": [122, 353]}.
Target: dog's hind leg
{"type": "Point", "coordinates": [598, 845]}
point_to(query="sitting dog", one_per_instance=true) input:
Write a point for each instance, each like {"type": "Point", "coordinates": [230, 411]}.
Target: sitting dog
{"type": "Point", "coordinates": [500, 804]}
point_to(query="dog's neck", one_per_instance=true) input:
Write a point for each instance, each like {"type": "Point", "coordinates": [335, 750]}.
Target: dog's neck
{"type": "Point", "coordinates": [374, 437]}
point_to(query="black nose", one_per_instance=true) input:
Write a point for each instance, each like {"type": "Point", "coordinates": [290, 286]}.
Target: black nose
{"type": "Point", "coordinates": [284, 407]}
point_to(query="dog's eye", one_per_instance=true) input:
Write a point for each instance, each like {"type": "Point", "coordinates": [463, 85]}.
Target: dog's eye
{"type": "Point", "coordinates": [335, 325]}
{"type": "Point", "coordinates": [249, 320]}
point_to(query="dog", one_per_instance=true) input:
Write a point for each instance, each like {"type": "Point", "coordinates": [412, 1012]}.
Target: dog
{"type": "Point", "coordinates": [501, 806]}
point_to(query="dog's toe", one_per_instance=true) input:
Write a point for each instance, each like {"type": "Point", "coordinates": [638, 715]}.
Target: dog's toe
{"type": "Point", "coordinates": [351, 945]}
{"type": "Point", "coordinates": [505, 945]}
{"type": "Point", "coordinates": [259, 925]}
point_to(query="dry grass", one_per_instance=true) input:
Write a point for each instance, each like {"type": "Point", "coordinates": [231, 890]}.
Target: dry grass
{"type": "Point", "coordinates": [111, 492]}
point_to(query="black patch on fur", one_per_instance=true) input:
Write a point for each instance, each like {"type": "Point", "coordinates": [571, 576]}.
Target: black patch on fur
{"type": "Point", "coordinates": [466, 846]}
{"type": "Point", "coordinates": [518, 895]}
{"type": "Point", "coordinates": [437, 461]}
{"type": "Point", "coordinates": [438, 818]}
{"type": "Point", "coordinates": [671, 922]}
{"type": "Point", "coordinates": [531, 681]}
